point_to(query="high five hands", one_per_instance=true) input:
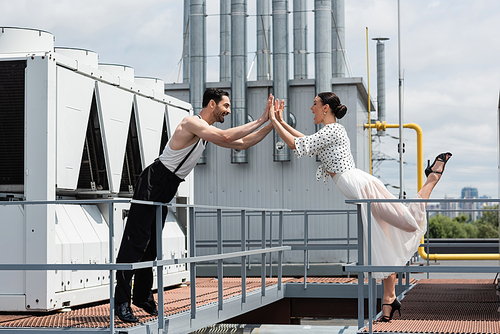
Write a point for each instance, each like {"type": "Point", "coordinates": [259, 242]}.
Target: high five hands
{"type": "Point", "coordinates": [276, 113]}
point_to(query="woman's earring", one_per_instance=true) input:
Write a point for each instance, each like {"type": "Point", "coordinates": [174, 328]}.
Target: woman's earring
{"type": "Point", "coordinates": [324, 113]}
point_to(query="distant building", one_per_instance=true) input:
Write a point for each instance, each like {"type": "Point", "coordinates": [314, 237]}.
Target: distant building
{"type": "Point", "coordinates": [483, 205]}
{"type": "Point", "coordinates": [471, 193]}
{"type": "Point", "coordinates": [452, 209]}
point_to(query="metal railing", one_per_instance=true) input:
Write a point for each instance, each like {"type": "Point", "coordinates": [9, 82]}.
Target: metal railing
{"type": "Point", "coordinates": [262, 246]}
{"type": "Point", "coordinates": [305, 244]}
{"type": "Point", "coordinates": [361, 267]}
{"type": "Point", "coordinates": [192, 259]}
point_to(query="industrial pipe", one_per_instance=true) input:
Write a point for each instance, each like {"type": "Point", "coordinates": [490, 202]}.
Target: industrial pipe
{"type": "Point", "coordinates": [299, 40]}
{"type": "Point", "coordinates": [197, 57]}
{"type": "Point", "coordinates": [263, 40]}
{"type": "Point", "coordinates": [239, 115]}
{"type": "Point", "coordinates": [185, 51]}
{"type": "Point", "coordinates": [225, 41]}
{"type": "Point", "coordinates": [338, 38]}
{"type": "Point", "coordinates": [280, 70]}
{"type": "Point", "coordinates": [382, 126]}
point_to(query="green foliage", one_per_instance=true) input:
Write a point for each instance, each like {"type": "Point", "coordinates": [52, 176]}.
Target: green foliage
{"type": "Point", "coordinates": [462, 227]}
{"type": "Point", "coordinates": [487, 224]}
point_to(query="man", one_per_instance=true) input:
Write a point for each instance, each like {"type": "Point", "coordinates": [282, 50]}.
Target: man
{"type": "Point", "coordinates": [159, 182]}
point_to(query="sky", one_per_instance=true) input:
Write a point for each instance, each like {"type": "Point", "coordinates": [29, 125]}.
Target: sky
{"type": "Point", "coordinates": [450, 66]}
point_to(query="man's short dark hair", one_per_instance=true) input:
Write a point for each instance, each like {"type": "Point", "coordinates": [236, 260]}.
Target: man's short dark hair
{"type": "Point", "coordinates": [215, 94]}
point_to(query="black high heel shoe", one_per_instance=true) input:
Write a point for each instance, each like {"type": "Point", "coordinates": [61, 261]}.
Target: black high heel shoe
{"type": "Point", "coordinates": [395, 305]}
{"type": "Point", "coordinates": [443, 157]}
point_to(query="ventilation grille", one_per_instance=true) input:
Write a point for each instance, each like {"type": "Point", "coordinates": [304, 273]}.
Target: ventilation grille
{"type": "Point", "coordinates": [93, 173]}
{"type": "Point", "coordinates": [132, 166]}
{"type": "Point", "coordinates": [12, 122]}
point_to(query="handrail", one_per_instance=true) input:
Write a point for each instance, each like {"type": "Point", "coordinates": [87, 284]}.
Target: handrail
{"type": "Point", "coordinates": [365, 265]}
{"type": "Point", "coordinates": [192, 259]}
{"type": "Point", "coordinates": [382, 126]}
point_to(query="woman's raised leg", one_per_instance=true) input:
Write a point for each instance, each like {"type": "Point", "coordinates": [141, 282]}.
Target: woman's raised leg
{"type": "Point", "coordinates": [436, 170]}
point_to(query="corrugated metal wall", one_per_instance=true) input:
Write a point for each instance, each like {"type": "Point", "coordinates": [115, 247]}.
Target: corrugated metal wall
{"type": "Point", "coordinates": [263, 183]}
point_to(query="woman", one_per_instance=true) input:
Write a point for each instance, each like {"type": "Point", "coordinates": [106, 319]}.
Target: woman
{"type": "Point", "coordinates": [396, 229]}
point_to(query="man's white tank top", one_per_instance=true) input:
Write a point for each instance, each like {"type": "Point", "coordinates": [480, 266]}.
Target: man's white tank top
{"type": "Point", "coordinates": [172, 158]}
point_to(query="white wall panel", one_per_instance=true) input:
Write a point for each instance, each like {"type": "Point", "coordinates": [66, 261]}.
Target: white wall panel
{"type": "Point", "coordinates": [75, 278]}
{"type": "Point", "coordinates": [150, 116]}
{"type": "Point", "coordinates": [74, 98]}
{"type": "Point", "coordinates": [101, 229]}
{"type": "Point", "coordinates": [115, 108]}
{"type": "Point", "coordinates": [12, 248]}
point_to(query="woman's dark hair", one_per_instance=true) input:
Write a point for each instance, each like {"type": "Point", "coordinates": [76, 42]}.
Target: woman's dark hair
{"type": "Point", "coordinates": [215, 94]}
{"type": "Point", "coordinates": [338, 109]}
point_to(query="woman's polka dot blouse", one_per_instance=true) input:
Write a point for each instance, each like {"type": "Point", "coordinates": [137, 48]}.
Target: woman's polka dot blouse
{"type": "Point", "coordinates": [332, 146]}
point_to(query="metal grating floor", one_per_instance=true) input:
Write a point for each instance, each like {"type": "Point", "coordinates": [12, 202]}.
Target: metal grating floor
{"type": "Point", "coordinates": [176, 300]}
{"type": "Point", "coordinates": [447, 306]}
{"type": "Point", "coordinates": [432, 306]}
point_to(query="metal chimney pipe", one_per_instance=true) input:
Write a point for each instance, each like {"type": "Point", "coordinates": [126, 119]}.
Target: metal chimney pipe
{"type": "Point", "coordinates": [323, 45]}
{"type": "Point", "coordinates": [238, 71]}
{"type": "Point", "coordinates": [381, 80]}
{"type": "Point", "coordinates": [197, 59]}
{"type": "Point", "coordinates": [299, 40]}
{"type": "Point", "coordinates": [280, 70]}
{"type": "Point", "coordinates": [225, 41]}
{"type": "Point", "coordinates": [338, 38]}
{"type": "Point", "coordinates": [263, 40]}
{"type": "Point", "coordinates": [185, 39]}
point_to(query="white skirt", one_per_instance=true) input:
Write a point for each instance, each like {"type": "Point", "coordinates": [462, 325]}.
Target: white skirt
{"type": "Point", "coordinates": [396, 228]}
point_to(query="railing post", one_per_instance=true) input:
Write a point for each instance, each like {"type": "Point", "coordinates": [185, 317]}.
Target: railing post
{"type": "Point", "coordinates": [428, 246]}
{"type": "Point", "coordinates": [399, 288]}
{"type": "Point", "coordinates": [270, 244]}
{"type": "Point", "coordinates": [249, 265]}
{"type": "Point", "coordinates": [243, 258]}
{"type": "Point", "coordinates": [361, 297]}
{"type": "Point", "coordinates": [219, 262]}
{"type": "Point", "coordinates": [348, 238]}
{"type": "Point", "coordinates": [111, 272]}
{"type": "Point", "coordinates": [280, 253]}
{"type": "Point", "coordinates": [263, 262]}
{"type": "Point", "coordinates": [370, 274]}
{"type": "Point", "coordinates": [192, 265]}
{"type": "Point", "coordinates": [306, 241]}
{"type": "Point", "coordinates": [159, 268]}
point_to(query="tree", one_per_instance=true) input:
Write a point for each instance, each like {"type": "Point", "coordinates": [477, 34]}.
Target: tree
{"type": "Point", "coordinates": [487, 224]}
{"type": "Point", "coordinates": [444, 227]}
{"type": "Point", "coordinates": [436, 229]}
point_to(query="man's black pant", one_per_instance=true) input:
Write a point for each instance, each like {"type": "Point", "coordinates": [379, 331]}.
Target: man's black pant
{"type": "Point", "coordinates": [156, 183]}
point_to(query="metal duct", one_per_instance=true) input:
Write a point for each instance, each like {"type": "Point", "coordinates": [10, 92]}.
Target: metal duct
{"type": "Point", "coordinates": [185, 51]}
{"type": "Point", "coordinates": [280, 69]}
{"type": "Point", "coordinates": [225, 41]}
{"type": "Point", "coordinates": [338, 38]}
{"type": "Point", "coordinates": [197, 57]}
{"type": "Point", "coordinates": [263, 40]}
{"type": "Point", "coordinates": [238, 71]}
{"type": "Point", "coordinates": [323, 45]}
{"type": "Point", "coordinates": [299, 40]}
{"type": "Point", "coordinates": [381, 80]}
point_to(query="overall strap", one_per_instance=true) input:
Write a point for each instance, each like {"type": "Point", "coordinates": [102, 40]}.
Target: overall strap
{"type": "Point", "coordinates": [187, 156]}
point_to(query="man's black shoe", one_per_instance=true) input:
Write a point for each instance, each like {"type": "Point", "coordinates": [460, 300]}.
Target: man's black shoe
{"type": "Point", "coordinates": [124, 312]}
{"type": "Point", "coordinates": [149, 306]}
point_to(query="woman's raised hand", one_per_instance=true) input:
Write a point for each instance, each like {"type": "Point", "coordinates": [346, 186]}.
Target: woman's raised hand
{"type": "Point", "coordinates": [279, 111]}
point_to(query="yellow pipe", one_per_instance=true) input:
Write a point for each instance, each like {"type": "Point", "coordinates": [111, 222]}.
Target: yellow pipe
{"type": "Point", "coordinates": [381, 126]}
